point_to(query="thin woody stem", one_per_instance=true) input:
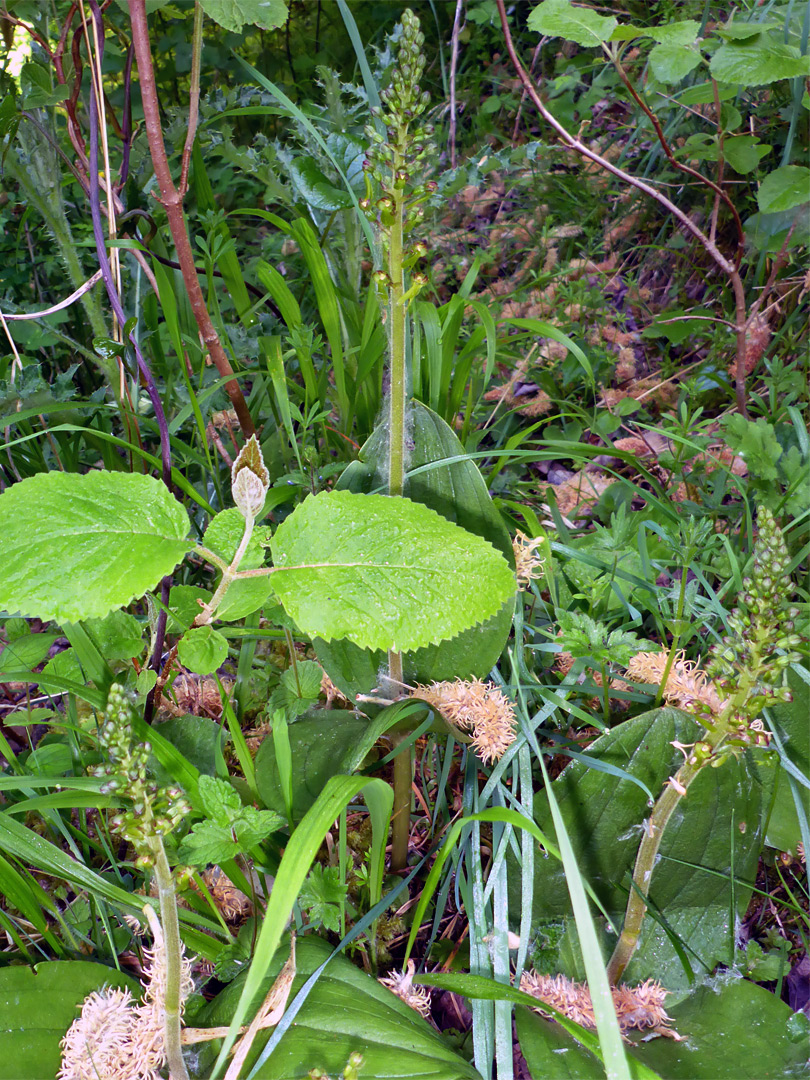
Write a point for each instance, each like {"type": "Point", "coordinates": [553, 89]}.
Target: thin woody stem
{"type": "Point", "coordinates": [172, 201]}
{"type": "Point", "coordinates": [728, 267]}
{"type": "Point", "coordinates": [687, 169]}
{"type": "Point", "coordinates": [193, 94]}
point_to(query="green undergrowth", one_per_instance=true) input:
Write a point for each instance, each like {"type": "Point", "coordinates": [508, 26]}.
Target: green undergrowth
{"type": "Point", "coordinates": [408, 579]}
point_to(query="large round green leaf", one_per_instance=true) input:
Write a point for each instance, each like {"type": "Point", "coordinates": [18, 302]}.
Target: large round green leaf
{"type": "Point", "coordinates": [758, 62]}
{"type": "Point", "coordinates": [783, 189]}
{"type": "Point", "coordinates": [550, 1051]}
{"type": "Point", "coordinates": [77, 546]}
{"type": "Point", "coordinates": [320, 745]}
{"type": "Point", "coordinates": [731, 1031]}
{"type": "Point", "coordinates": [38, 1005]}
{"type": "Point", "coordinates": [559, 18]}
{"type": "Point", "coordinates": [458, 492]}
{"type": "Point", "coordinates": [387, 573]}
{"type": "Point", "coordinates": [346, 1011]}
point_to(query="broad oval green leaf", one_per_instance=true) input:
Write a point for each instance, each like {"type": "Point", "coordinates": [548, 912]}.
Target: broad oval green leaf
{"type": "Point", "coordinates": [759, 63]}
{"type": "Point", "coordinates": [691, 883]}
{"type": "Point", "coordinates": [671, 62]}
{"type": "Point", "coordinates": [346, 1010]}
{"type": "Point", "coordinates": [233, 14]}
{"type": "Point", "coordinates": [202, 650]}
{"type": "Point", "coordinates": [386, 573]}
{"type": "Point", "coordinates": [77, 546]}
{"type": "Point", "coordinates": [459, 493]}
{"type": "Point", "coordinates": [559, 18]}
{"type": "Point", "coordinates": [321, 745]}
{"type": "Point", "coordinates": [783, 189]}
{"type": "Point", "coordinates": [731, 1031]}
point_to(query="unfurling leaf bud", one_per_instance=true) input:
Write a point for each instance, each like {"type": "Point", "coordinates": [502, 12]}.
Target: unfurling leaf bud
{"type": "Point", "coordinates": [250, 479]}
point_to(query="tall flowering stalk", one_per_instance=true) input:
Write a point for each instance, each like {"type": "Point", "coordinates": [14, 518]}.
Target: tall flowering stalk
{"type": "Point", "coordinates": [745, 674]}
{"type": "Point", "coordinates": [393, 163]}
{"type": "Point", "coordinates": [153, 813]}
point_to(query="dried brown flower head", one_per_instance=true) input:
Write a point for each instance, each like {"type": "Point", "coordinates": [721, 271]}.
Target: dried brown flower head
{"type": "Point", "coordinates": [528, 564]}
{"type": "Point", "coordinates": [233, 905]}
{"type": "Point", "coordinates": [401, 984]}
{"type": "Point", "coordinates": [475, 706]}
{"type": "Point", "coordinates": [117, 1039]}
{"type": "Point", "coordinates": [639, 1008]}
{"type": "Point", "coordinates": [687, 686]}
{"type": "Point", "coordinates": [195, 696]}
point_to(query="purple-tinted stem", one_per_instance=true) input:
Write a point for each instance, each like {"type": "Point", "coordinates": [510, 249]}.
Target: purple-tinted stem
{"type": "Point", "coordinates": [118, 309]}
{"type": "Point", "coordinates": [126, 125]}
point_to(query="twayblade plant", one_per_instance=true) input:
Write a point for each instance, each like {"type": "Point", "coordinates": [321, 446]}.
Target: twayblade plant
{"type": "Point", "coordinates": [393, 162]}
{"type": "Point", "coordinates": [745, 674]}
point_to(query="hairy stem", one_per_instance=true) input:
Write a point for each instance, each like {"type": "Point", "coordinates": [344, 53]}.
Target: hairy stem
{"type": "Point", "coordinates": [172, 201]}
{"type": "Point", "coordinates": [396, 485]}
{"type": "Point", "coordinates": [712, 739]}
{"type": "Point", "coordinates": [171, 934]}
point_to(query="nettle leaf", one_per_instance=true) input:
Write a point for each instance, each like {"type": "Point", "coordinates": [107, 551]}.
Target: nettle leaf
{"type": "Point", "coordinates": [387, 573]}
{"type": "Point", "coordinates": [77, 546]}
{"type": "Point", "coordinates": [759, 63]}
{"type": "Point", "coordinates": [209, 843]}
{"type": "Point", "coordinates": [231, 829]}
{"type": "Point", "coordinates": [219, 799]}
{"type": "Point", "coordinates": [783, 189]}
{"type": "Point", "coordinates": [233, 14]}
{"type": "Point", "coordinates": [559, 18]}
{"type": "Point", "coordinates": [202, 650]}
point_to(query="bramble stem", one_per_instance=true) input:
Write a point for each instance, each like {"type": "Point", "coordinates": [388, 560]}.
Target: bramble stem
{"type": "Point", "coordinates": [172, 201]}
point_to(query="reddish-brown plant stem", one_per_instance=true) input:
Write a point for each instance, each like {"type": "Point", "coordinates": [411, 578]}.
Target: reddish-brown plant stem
{"type": "Point", "coordinates": [172, 202]}
{"type": "Point", "coordinates": [729, 268]}
{"type": "Point", "coordinates": [686, 169]}
{"type": "Point", "coordinates": [193, 95]}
